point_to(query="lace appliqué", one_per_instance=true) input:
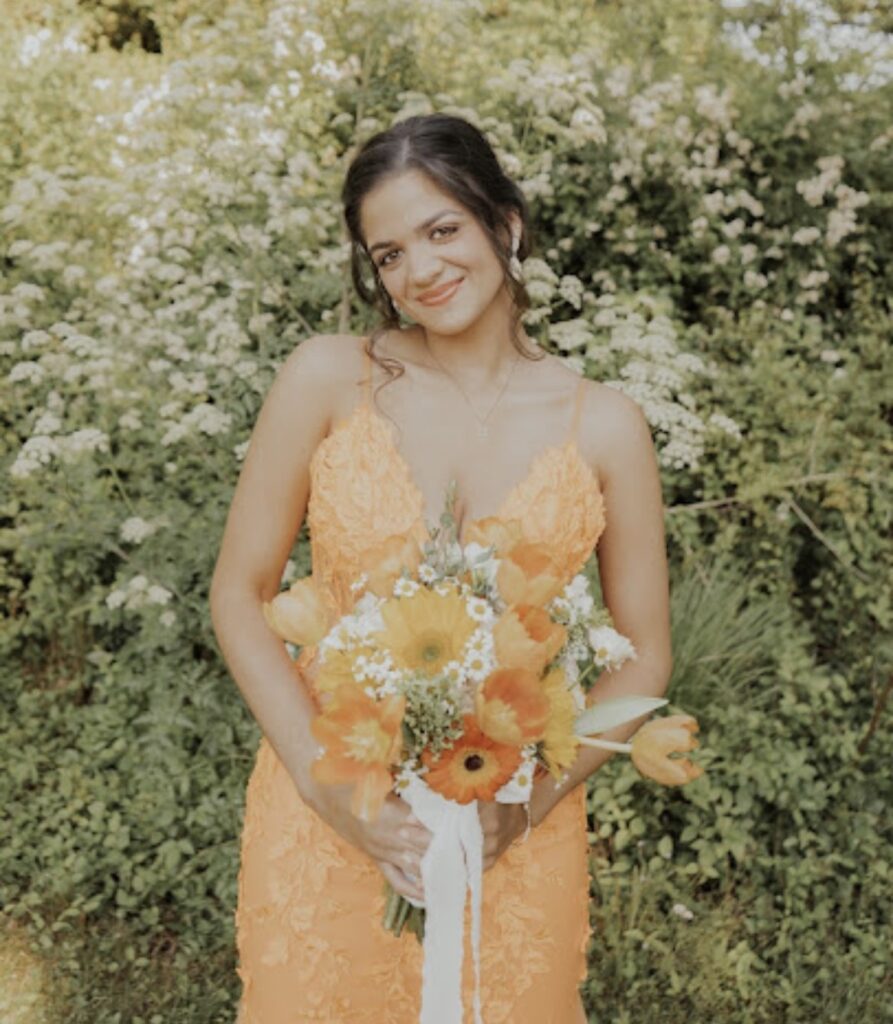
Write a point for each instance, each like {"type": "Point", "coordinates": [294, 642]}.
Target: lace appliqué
{"type": "Point", "coordinates": [308, 920]}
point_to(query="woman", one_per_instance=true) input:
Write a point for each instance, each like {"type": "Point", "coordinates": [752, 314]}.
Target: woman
{"type": "Point", "coordinates": [441, 229]}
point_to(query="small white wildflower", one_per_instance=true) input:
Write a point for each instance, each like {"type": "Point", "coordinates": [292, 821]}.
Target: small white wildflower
{"type": "Point", "coordinates": [478, 665]}
{"type": "Point", "coordinates": [609, 648]}
{"type": "Point", "coordinates": [158, 595]}
{"type": "Point", "coordinates": [405, 588]}
{"type": "Point", "coordinates": [680, 910]}
{"type": "Point", "coordinates": [167, 619]}
{"type": "Point", "coordinates": [479, 609]}
{"type": "Point", "coordinates": [115, 598]}
{"type": "Point", "coordinates": [135, 530]}
{"type": "Point", "coordinates": [452, 670]}
{"type": "Point", "coordinates": [427, 574]}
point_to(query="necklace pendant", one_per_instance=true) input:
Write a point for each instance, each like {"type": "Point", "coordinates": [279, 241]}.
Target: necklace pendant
{"type": "Point", "coordinates": [482, 430]}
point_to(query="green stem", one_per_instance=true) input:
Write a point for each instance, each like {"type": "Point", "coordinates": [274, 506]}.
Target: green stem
{"type": "Point", "coordinates": [588, 741]}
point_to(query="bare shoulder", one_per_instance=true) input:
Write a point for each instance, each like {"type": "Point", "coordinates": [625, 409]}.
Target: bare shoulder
{"type": "Point", "coordinates": [327, 358]}
{"type": "Point", "coordinates": [614, 431]}
{"type": "Point", "coordinates": [327, 366]}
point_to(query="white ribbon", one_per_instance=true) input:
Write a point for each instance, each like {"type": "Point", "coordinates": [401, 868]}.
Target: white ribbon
{"type": "Point", "coordinates": [453, 863]}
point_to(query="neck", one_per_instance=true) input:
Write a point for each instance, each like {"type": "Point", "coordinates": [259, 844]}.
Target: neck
{"type": "Point", "coordinates": [481, 356]}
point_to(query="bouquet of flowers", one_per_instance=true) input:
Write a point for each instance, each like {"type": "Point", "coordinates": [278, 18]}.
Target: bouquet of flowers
{"type": "Point", "coordinates": [458, 676]}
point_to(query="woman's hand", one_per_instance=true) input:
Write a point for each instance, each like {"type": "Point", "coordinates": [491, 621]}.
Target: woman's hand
{"type": "Point", "coordinates": [396, 840]}
{"type": "Point", "coordinates": [501, 825]}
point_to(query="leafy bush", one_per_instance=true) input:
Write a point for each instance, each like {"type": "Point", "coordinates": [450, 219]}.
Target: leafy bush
{"type": "Point", "coordinates": [713, 239]}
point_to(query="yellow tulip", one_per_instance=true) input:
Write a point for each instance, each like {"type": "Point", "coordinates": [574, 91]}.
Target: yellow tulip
{"type": "Point", "coordinates": [298, 614]}
{"type": "Point", "coordinates": [653, 743]}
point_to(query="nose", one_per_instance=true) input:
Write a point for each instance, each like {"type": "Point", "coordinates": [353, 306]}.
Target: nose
{"type": "Point", "coordinates": [424, 267]}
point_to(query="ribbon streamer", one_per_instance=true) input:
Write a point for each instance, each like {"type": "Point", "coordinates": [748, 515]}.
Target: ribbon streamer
{"type": "Point", "coordinates": [452, 864]}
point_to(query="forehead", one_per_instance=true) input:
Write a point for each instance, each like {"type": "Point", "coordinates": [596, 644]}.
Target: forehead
{"type": "Point", "coordinates": [399, 203]}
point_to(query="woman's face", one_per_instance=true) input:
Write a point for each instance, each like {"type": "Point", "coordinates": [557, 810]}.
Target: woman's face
{"type": "Point", "coordinates": [421, 239]}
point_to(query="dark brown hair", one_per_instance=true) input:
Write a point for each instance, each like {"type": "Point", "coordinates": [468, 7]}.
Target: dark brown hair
{"type": "Point", "coordinates": [457, 157]}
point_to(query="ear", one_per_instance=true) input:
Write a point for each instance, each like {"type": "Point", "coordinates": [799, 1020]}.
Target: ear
{"type": "Point", "coordinates": [515, 228]}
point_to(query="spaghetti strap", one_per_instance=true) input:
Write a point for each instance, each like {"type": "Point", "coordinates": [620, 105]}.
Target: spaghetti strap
{"type": "Point", "coordinates": [578, 403]}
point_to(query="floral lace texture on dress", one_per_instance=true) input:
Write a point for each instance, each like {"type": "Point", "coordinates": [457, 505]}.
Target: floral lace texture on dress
{"type": "Point", "coordinates": [310, 941]}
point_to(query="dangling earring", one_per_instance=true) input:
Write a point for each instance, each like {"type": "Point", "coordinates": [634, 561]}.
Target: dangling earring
{"type": "Point", "coordinates": [515, 268]}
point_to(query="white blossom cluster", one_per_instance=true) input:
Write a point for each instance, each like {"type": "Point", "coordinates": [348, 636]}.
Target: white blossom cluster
{"type": "Point", "coordinates": [42, 449]}
{"type": "Point", "coordinates": [137, 593]}
{"type": "Point", "coordinates": [656, 374]}
{"type": "Point", "coordinates": [135, 529]}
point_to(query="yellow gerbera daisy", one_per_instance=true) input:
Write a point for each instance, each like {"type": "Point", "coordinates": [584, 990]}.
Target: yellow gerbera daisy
{"type": "Point", "coordinates": [427, 629]}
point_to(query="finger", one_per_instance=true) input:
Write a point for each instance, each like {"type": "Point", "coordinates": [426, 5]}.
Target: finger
{"type": "Point", "coordinates": [400, 883]}
{"type": "Point", "coordinates": [416, 839]}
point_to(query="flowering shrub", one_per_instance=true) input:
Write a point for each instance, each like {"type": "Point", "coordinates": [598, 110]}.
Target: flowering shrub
{"type": "Point", "coordinates": [711, 239]}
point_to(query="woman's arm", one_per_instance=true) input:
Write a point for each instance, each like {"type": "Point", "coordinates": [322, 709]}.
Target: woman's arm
{"type": "Point", "coordinates": [266, 513]}
{"type": "Point", "coordinates": [634, 577]}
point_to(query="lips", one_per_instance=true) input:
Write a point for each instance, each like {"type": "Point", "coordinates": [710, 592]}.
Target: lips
{"type": "Point", "coordinates": [438, 295]}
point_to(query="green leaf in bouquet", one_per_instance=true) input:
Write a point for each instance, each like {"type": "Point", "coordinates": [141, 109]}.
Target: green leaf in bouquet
{"type": "Point", "coordinates": [614, 711]}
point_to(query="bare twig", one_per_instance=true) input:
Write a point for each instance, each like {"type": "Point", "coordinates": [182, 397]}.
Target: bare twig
{"type": "Point", "coordinates": [733, 500]}
{"type": "Point", "coordinates": [819, 536]}
{"type": "Point", "coordinates": [879, 706]}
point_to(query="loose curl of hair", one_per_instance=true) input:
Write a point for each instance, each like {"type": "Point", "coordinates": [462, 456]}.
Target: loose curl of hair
{"type": "Point", "coordinates": [457, 157]}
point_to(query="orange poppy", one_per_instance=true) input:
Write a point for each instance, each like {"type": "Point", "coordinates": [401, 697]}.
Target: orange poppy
{"type": "Point", "coordinates": [526, 637]}
{"type": "Point", "coordinates": [528, 575]}
{"type": "Point", "coordinates": [362, 738]}
{"type": "Point", "coordinates": [512, 707]}
{"type": "Point", "coordinates": [653, 743]}
{"type": "Point", "coordinates": [474, 768]}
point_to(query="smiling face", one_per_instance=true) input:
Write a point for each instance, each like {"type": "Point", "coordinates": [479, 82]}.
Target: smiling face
{"type": "Point", "coordinates": [433, 257]}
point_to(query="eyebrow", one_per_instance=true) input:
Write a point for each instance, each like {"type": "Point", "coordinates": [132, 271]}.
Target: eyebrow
{"type": "Point", "coordinates": [419, 229]}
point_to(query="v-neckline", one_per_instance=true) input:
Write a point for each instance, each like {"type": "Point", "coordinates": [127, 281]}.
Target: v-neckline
{"type": "Point", "coordinates": [461, 531]}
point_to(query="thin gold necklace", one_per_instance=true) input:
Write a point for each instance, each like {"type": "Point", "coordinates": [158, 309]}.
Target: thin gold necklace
{"type": "Point", "coordinates": [483, 430]}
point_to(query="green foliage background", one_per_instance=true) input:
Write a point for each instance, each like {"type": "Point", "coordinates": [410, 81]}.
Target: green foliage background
{"type": "Point", "coordinates": [714, 236]}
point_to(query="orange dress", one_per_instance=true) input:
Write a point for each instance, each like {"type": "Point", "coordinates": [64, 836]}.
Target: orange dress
{"type": "Point", "coordinates": [311, 945]}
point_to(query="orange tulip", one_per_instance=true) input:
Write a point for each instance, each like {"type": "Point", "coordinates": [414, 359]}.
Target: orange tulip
{"type": "Point", "coordinates": [474, 768]}
{"type": "Point", "coordinates": [528, 575]}
{"type": "Point", "coordinates": [526, 637]}
{"type": "Point", "coordinates": [656, 740]}
{"type": "Point", "coordinates": [385, 564]}
{"type": "Point", "coordinates": [512, 707]}
{"type": "Point", "coordinates": [299, 614]}
{"type": "Point", "coordinates": [362, 738]}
